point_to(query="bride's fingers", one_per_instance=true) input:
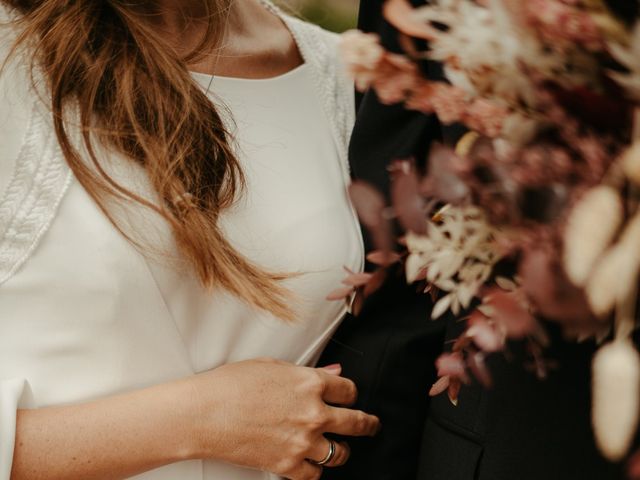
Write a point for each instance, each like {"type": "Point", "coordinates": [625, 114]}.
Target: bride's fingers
{"type": "Point", "coordinates": [339, 391]}
{"type": "Point", "coordinates": [305, 471]}
{"type": "Point", "coordinates": [352, 423]}
{"type": "Point", "coordinates": [335, 369]}
{"type": "Point", "coordinates": [321, 450]}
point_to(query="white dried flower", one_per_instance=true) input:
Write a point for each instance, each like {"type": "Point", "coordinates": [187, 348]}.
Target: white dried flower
{"type": "Point", "coordinates": [617, 271]}
{"type": "Point", "coordinates": [629, 57]}
{"type": "Point", "coordinates": [414, 266]}
{"type": "Point", "coordinates": [591, 227]}
{"type": "Point", "coordinates": [519, 129]}
{"type": "Point", "coordinates": [603, 288]}
{"type": "Point", "coordinates": [489, 50]}
{"type": "Point", "coordinates": [458, 255]}
{"type": "Point", "coordinates": [616, 394]}
{"type": "Point", "coordinates": [631, 238]}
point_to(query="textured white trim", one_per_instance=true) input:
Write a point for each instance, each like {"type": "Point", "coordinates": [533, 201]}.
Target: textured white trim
{"type": "Point", "coordinates": [31, 200]}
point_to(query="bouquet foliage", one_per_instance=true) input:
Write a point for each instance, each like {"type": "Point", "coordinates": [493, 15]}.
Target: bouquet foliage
{"type": "Point", "coordinates": [534, 213]}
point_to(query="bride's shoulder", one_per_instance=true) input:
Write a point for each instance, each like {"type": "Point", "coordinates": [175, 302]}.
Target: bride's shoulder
{"type": "Point", "coordinates": [319, 48]}
{"type": "Point", "coordinates": [316, 44]}
{"type": "Point", "coordinates": [319, 42]}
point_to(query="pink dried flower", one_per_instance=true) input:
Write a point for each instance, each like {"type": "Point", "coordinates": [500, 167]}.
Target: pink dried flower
{"type": "Point", "coordinates": [394, 86]}
{"type": "Point", "coordinates": [452, 365]}
{"type": "Point", "coordinates": [357, 280]}
{"type": "Point", "coordinates": [561, 23]}
{"type": "Point", "coordinates": [449, 102]}
{"type": "Point", "coordinates": [440, 386]}
{"type": "Point", "coordinates": [486, 117]}
{"type": "Point", "coordinates": [485, 334]}
{"type": "Point", "coordinates": [420, 98]}
{"type": "Point", "coordinates": [511, 311]}
{"type": "Point", "coordinates": [396, 78]}
{"type": "Point", "coordinates": [362, 54]}
{"type": "Point", "coordinates": [361, 50]}
{"type": "Point", "coordinates": [342, 293]}
{"type": "Point", "coordinates": [452, 373]}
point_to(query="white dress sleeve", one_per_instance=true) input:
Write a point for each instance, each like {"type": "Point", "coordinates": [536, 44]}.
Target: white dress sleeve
{"type": "Point", "coordinates": [33, 173]}
{"type": "Point", "coordinates": [14, 394]}
{"type": "Point", "coordinates": [17, 188]}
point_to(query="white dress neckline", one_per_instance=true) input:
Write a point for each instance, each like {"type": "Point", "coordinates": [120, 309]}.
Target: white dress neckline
{"type": "Point", "coordinates": [205, 78]}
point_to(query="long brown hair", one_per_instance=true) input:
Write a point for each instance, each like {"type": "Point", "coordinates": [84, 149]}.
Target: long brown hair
{"type": "Point", "coordinates": [134, 92]}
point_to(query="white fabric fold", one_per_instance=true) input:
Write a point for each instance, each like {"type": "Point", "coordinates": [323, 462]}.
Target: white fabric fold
{"type": "Point", "coordinates": [14, 394]}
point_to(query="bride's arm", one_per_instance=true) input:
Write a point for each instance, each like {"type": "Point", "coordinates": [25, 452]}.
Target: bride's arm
{"type": "Point", "coordinates": [112, 438]}
{"type": "Point", "coordinates": [260, 414]}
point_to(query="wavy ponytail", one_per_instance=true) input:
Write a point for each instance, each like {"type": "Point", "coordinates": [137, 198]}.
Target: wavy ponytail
{"type": "Point", "coordinates": [135, 94]}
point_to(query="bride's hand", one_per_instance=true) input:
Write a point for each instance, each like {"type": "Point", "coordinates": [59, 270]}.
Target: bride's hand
{"type": "Point", "coordinates": [272, 416]}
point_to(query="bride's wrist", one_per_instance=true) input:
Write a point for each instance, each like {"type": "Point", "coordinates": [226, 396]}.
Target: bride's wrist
{"type": "Point", "coordinates": [182, 413]}
{"type": "Point", "coordinates": [199, 429]}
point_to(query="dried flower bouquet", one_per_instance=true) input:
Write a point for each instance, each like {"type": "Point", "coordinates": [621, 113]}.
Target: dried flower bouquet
{"type": "Point", "coordinates": [546, 181]}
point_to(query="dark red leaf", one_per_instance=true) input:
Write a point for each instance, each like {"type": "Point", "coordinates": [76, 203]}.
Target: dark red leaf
{"type": "Point", "coordinates": [408, 202]}
{"type": "Point", "coordinates": [485, 335]}
{"type": "Point", "coordinates": [340, 294]}
{"type": "Point", "coordinates": [634, 466]}
{"type": "Point", "coordinates": [383, 259]}
{"type": "Point", "coordinates": [454, 391]}
{"type": "Point", "coordinates": [510, 312]}
{"type": "Point", "coordinates": [358, 303]}
{"type": "Point", "coordinates": [357, 279]}
{"type": "Point", "coordinates": [370, 205]}
{"type": "Point", "coordinates": [607, 111]}
{"type": "Point", "coordinates": [440, 386]}
{"type": "Point", "coordinates": [550, 292]}
{"type": "Point", "coordinates": [478, 367]}
{"type": "Point", "coordinates": [444, 181]}
{"type": "Point", "coordinates": [377, 280]}
{"type": "Point", "coordinates": [453, 365]}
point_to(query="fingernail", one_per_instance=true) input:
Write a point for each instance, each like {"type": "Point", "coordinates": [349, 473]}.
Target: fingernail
{"type": "Point", "coordinates": [335, 368]}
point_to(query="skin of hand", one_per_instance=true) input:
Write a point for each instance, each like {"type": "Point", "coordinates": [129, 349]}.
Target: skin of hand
{"type": "Point", "coordinates": [273, 416]}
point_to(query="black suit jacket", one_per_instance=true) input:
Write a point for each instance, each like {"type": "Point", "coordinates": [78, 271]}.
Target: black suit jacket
{"type": "Point", "coordinates": [522, 429]}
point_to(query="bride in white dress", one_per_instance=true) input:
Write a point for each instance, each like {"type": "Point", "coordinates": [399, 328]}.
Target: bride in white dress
{"type": "Point", "coordinates": [156, 319]}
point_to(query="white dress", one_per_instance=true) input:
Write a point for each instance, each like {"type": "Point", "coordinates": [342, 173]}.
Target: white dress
{"type": "Point", "coordinates": [83, 314]}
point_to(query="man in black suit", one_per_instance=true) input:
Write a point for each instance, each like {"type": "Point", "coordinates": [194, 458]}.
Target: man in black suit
{"type": "Point", "coordinates": [521, 429]}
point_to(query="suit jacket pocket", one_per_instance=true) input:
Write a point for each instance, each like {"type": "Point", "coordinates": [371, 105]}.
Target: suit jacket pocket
{"type": "Point", "coordinates": [447, 454]}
